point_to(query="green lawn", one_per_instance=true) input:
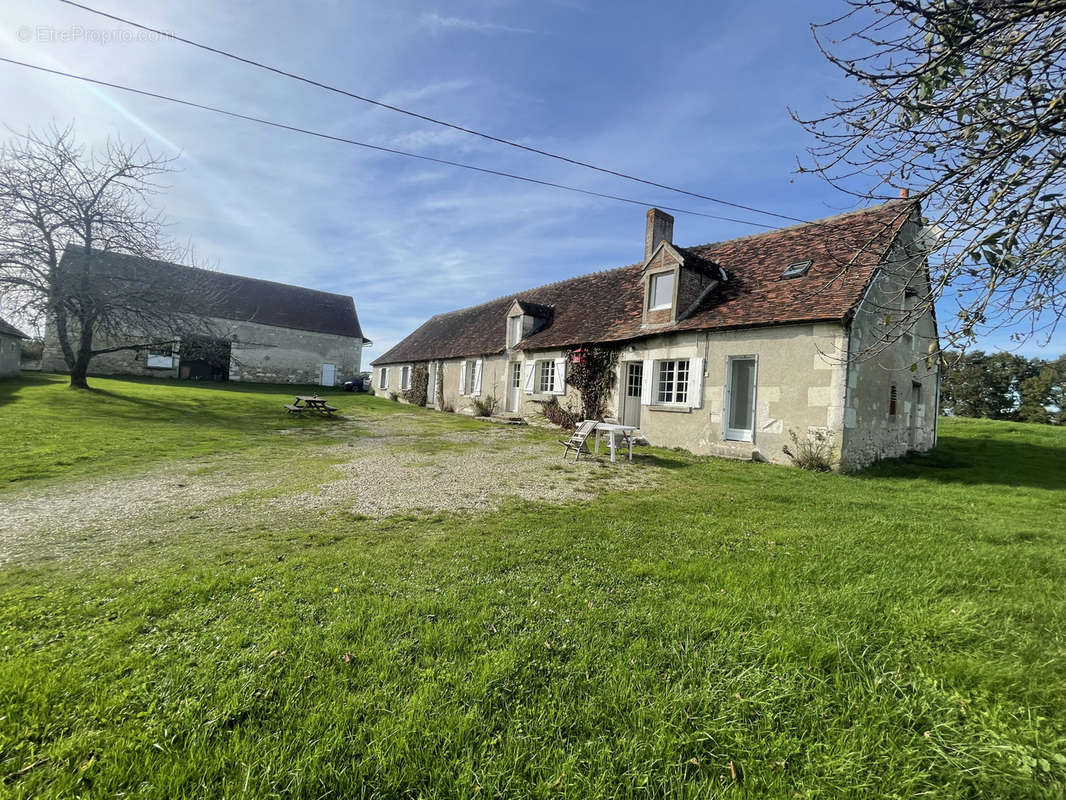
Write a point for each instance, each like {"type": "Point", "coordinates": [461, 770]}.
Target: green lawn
{"type": "Point", "coordinates": [741, 630]}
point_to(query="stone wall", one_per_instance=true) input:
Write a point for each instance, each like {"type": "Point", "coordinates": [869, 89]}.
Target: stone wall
{"type": "Point", "coordinates": [799, 386]}
{"type": "Point", "coordinates": [892, 398]}
{"type": "Point", "coordinates": [260, 353]}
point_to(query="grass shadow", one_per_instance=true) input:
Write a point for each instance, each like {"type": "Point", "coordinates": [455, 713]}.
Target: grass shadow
{"type": "Point", "coordinates": [975, 458]}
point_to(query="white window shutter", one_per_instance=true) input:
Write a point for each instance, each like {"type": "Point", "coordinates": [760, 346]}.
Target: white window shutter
{"type": "Point", "coordinates": [431, 381]}
{"type": "Point", "coordinates": [647, 382]}
{"type": "Point", "coordinates": [559, 386]}
{"type": "Point", "coordinates": [384, 377]}
{"type": "Point", "coordinates": [695, 382]}
{"type": "Point", "coordinates": [531, 372]}
{"type": "Point", "coordinates": [476, 389]}
{"type": "Point", "coordinates": [462, 377]}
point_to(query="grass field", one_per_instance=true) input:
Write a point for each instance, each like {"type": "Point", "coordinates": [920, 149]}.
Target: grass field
{"type": "Point", "coordinates": [736, 630]}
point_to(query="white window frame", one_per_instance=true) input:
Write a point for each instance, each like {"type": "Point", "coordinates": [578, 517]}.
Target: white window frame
{"type": "Point", "coordinates": [542, 373]}
{"type": "Point", "coordinates": [739, 434]}
{"type": "Point", "coordinates": [676, 387]}
{"type": "Point", "coordinates": [383, 377]}
{"type": "Point", "coordinates": [470, 377]}
{"type": "Point", "coordinates": [515, 326]}
{"type": "Point", "coordinates": [653, 282]}
{"type": "Point", "coordinates": [405, 377]}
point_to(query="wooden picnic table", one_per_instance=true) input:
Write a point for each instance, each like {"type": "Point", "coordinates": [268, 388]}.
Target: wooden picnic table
{"type": "Point", "coordinates": [312, 403]}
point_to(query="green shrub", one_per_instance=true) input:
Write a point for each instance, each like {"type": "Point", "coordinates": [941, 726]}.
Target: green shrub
{"type": "Point", "coordinates": [486, 407]}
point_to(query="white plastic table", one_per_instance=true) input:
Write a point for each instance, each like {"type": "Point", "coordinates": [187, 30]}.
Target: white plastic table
{"type": "Point", "coordinates": [614, 430]}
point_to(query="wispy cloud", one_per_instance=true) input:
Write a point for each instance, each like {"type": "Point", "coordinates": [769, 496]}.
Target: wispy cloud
{"type": "Point", "coordinates": [432, 19]}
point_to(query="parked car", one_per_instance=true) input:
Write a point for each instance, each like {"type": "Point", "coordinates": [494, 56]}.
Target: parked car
{"type": "Point", "coordinates": [360, 383]}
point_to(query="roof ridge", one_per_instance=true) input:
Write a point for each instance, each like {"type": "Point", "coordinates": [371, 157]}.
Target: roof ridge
{"type": "Point", "coordinates": [210, 271]}
{"type": "Point", "coordinates": [821, 221]}
{"type": "Point", "coordinates": [518, 295]}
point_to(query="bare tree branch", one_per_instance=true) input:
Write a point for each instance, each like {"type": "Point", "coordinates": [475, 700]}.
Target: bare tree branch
{"type": "Point", "coordinates": [64, 213]}
{"type": "Point", "coordinates": [963, 103]}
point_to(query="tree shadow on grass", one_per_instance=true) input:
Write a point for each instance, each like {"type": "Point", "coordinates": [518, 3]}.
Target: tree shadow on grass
{"type": "Point", "coordinates": [660, 460]}
{"type": "Point", "coordinates": [10, 387]}
{"type": "Point", "coordinates": [976, 460]}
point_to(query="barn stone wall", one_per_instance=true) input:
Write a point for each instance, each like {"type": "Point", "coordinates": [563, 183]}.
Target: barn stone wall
{"type": "Point", "coordinates": [260, 353]}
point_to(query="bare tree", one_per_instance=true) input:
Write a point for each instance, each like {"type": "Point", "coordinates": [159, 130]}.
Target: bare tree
{"type": "Point", "coordinates": [963, 103]}
{"type": "Point", "coordinates": [64, 211]}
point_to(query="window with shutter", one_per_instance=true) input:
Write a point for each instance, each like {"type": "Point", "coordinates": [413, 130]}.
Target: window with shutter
{"type": "Point", "coordinates": [475, 378]}
{"type": "Point", "coordinates": [546, 384]}
{"type": "Point", "coordinates": [672, 382]}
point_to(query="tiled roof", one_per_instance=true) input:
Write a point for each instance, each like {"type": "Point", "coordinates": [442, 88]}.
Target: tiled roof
{"type": "Point", "coordinates": [7, 329]}
{"type": "Point", "coordinates": [235, 297]}
{"type": "Point", "coordinates": [608, 306]}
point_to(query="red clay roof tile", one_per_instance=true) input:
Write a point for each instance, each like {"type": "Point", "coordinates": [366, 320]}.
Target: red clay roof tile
{"type": "Point", "coordinates": [608, 306]}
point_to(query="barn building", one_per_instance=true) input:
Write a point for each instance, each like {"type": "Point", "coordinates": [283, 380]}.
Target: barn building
{"type": "Point", "coordinates": [10, 349]}
{"type": "Point", "coordinates": [252, 330]}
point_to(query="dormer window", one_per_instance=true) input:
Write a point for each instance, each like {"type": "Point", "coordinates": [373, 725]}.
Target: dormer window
{"type": "Point", "coordinates": [797, 269]}
{"type": "Point", "coordinates": [661, 291]}
{"type": "Point", "coordinates": [514, 330]}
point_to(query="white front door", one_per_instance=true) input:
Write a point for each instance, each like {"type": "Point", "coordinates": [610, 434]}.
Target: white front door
{"type": "Point", "coordinates": [329, 372]}
{"type": "Point", "coordinates": [514, 391]}
{"type": "Point", "coordinates": [740, 400]}
{"type": "Point", "coordinates": [631, 398]}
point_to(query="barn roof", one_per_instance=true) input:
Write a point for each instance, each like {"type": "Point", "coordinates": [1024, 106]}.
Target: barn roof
{"type": "Point", "coordinates": [7, 329]}
{"type": "Point", "coordinates": [845, 250]}
{"type": "Point", "coordinates": [239, 298]}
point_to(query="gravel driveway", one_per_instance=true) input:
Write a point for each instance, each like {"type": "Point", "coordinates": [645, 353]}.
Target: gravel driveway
{"type": "Point", "coordinates": [402, 463]}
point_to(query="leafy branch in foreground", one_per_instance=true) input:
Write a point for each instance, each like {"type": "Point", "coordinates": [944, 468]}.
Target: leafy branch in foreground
{"type": "Point", "coordinates": [964, 105]}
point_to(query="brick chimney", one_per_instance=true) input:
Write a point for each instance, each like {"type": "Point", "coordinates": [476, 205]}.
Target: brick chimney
{"type": "Point", "coordinates": [660, 227]}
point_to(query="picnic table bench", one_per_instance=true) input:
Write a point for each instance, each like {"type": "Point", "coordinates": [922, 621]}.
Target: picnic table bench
{"type": "Point", "coordinates": [311, 403]}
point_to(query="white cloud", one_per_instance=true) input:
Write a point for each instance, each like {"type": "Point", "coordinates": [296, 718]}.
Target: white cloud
{"type": "Point", "coordinates": [432, 19]}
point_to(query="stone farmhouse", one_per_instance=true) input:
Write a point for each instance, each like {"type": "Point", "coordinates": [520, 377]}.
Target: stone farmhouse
{"type": "Point", "coordinates": [252, 330]}
{"type": "Point", "coordinates": [10, 349]}
{"type": "Point", "coordinates": [722, 349]}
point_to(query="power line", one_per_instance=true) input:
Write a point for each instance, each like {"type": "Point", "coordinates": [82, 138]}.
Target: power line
{"type": "Point", "coordinates": [379, 148]}
{"type": "Point", "coordinates": [435, 121]}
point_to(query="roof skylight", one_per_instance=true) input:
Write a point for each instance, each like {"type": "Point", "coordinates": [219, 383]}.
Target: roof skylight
{"type": "Point", "coordinates": [796, 269]}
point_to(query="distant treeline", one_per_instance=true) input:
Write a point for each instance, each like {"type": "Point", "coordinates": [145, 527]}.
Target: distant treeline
{"type": "Point", "coordinates": [1004, 386]}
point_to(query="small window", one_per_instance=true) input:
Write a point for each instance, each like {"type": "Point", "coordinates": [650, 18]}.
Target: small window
{"type": "Point", "coordinates": [892, 401]}
{"type": "Point", "coordinates": [910, 299]}
{"type": "Point", "coordinates": [514, 331]}
{"type": "Point", "coordinates": [661, 291]}
{"type": "Point", "coordinates": [383, 378]}
{"type": "Point", "coordinates": [546, 382]}
{"type": "Point", "coordinates": [405, 378]}
{"type": "Point", "coordinates": [796, 269]}
{"type": "Point", "coordinates": [673, 382]}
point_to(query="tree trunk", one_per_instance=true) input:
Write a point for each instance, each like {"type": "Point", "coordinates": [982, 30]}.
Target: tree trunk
{"type": "Point", "coordinates": [80, 368]}
{"type": "Point", "coordinates": [77, 378]}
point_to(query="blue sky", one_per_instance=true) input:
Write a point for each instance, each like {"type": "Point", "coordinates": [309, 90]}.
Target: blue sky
{"type": "Point", "coordinates": [689, 94]}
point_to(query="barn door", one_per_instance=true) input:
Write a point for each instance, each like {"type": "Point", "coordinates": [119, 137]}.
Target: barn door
{"type": "Point", "coordinates": [329, 374]}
